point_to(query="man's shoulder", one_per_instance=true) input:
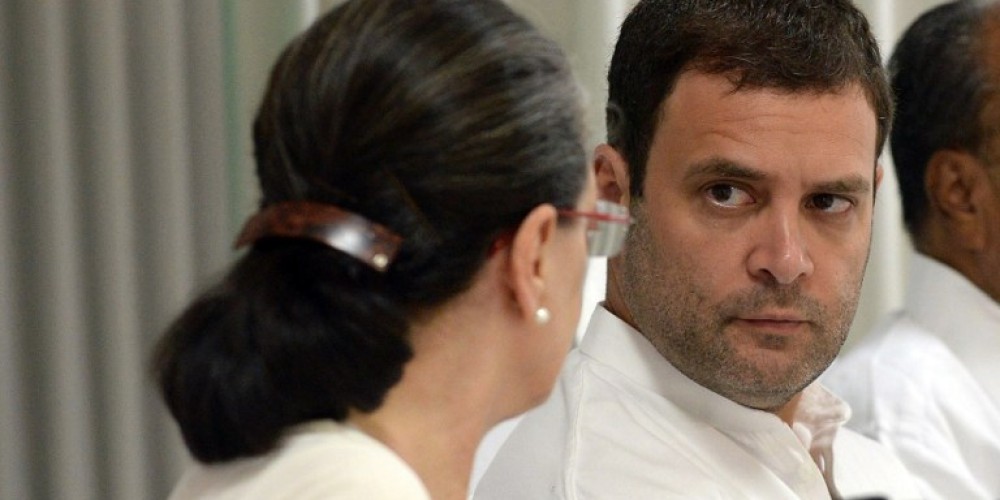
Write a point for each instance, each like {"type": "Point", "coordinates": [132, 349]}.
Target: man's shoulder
{"type": "Point", "coordinates": [895, 378]}
{"type": "Point", "coordinates": [918, 398]}
{"type": "Point", "coordinates": [898, 340]}
{"type": "Point", "coordinates": [898, 357]}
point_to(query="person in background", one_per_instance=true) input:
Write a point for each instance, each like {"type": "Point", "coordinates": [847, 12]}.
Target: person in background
{"type": "Point", "coordinates": [745, 138]}
{"type": "Point", "coordinates": [414, 273]}
{"type": "Point", "coordinates": [926, 382]}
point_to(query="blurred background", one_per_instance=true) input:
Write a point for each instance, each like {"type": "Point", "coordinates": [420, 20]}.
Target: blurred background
{"type": "Point", "coordinates": [125, 172]}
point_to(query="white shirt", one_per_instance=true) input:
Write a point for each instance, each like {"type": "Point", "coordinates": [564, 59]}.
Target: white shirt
{"type": "Point", "coordinates": [926, 382]}
{"type": "Point", "coordinates": [622, 423]}
{"type": "Point", "coordinates": [319, 460]}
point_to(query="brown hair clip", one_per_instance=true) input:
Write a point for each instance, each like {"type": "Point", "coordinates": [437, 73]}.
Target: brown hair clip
{"type": "Point", "coordinates": [336, 228]}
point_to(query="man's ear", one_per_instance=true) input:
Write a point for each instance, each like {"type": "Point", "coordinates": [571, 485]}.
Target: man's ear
{"type": "Point", "coordinates": [953, 182]}
{"type": "Point", "coordinates": [527, 254]}
{"type": "Point", "coordinates": [611, 174]}
{"type": "Point", "coordinates": [879, 172]}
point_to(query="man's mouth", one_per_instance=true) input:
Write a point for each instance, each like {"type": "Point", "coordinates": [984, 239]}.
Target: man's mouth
{"type": "Point", "coordinates": [777, 322]}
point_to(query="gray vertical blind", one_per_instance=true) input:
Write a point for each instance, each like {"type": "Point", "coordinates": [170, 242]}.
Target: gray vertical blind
{"type": "Point", "coordinates": [115, 203]}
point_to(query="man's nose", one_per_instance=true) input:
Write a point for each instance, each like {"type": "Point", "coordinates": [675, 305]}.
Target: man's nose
{"type": "Point", "coordinates": [781, 253]}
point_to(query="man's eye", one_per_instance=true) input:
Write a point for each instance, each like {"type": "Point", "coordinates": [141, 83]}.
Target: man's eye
{"type": "Point", "coordinates": [830, 203]}
{"type": "Point", "coordinates": [727, 195]}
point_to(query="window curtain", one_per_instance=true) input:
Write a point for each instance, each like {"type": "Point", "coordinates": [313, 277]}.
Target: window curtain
{"type": "Point", "coordinates": [125, 171]}
{"type": "Point", "coordinates": [123, 176]}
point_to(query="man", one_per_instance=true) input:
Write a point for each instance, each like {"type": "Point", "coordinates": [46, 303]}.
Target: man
{"type": "Point", "coordinates": [744, 136]}
{"type": "Point", "coordinates": [927, 382]}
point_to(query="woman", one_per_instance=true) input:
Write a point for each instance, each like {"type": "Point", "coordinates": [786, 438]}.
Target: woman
{"type": "Point", "coordinates": [414, 274]}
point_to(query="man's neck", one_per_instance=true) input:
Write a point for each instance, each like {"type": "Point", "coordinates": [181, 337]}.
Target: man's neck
{"type": "Point", "coordinates": [787, 411]}
{"type": "Point", "coordinates": [614, 300]}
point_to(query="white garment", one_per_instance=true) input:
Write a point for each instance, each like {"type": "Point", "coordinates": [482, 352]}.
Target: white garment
{"type": "Point", "coordinates": [926, 382]}
{"type": "Point", "coordinates": [319, 460]}
{"type": "Point", "coordinates": [622, 423]}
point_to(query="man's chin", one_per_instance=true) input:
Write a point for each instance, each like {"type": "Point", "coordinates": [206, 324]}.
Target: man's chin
{"type": "Point", "coordinates": [765, 389]}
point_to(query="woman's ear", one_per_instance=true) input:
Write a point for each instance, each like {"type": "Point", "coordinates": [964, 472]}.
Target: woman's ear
{"type": "Point", "coordinates": [611, 174]}
{"type": "Point", "coordinates": [528, 250]}
{"type": "Point", "coordinates": [953, 183]}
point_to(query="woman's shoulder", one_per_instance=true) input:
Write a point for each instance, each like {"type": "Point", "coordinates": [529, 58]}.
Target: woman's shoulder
{"type": "Point", "coordinates": [318, 460]}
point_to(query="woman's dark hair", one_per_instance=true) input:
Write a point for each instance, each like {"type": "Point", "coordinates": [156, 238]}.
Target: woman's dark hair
{"type": "Point", "coordinates": [941, 78]}
{"type": "Point", "coordinates": [446, 121]}
{"type": "Point", "coordinates": [791, 45]}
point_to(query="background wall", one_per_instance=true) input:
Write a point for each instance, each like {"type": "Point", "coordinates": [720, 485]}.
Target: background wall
{"type": "Point", "coordinates": [125, 172]}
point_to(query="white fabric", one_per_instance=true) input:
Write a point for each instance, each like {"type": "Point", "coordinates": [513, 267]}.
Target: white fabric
{"type": "Point", "coordinates": [320, 460]}
{"type": "Point", "coordinates": [624, 423]}
{"type": "Point", "coordinates": [927, 383]}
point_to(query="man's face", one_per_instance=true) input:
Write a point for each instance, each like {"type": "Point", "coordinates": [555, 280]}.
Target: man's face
{"type": "Point", "coordinates": [752, 234]}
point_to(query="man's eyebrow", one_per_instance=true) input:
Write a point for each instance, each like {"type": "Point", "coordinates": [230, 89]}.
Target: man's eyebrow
{"type": "Point", "coordinates": [721, 167]}
{"type": "Point", "coordinates": [854, 184]}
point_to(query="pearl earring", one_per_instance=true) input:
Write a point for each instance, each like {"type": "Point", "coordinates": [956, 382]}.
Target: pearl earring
{"type": "Point", "coordinates": [542, 316]}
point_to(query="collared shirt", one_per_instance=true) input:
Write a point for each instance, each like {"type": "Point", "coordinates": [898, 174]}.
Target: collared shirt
{"type": "Point", "coordinates": [623, 423]}
{"type": "Point", "coordinates": [318, 460]}
{"type": "Point", "coordinates": [926, 382]}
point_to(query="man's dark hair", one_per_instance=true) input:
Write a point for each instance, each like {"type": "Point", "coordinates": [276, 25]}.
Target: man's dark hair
{"type": "Point", "coordinates": [941, 78]}
{"type": "Point", "coordinates": [446, 121]}
{"type": "Point", "coordinates": [791, 45]}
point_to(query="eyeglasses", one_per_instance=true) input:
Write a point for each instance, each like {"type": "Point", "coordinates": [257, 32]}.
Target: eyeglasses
{"type": "Point", "coordinates": [607, 226]}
